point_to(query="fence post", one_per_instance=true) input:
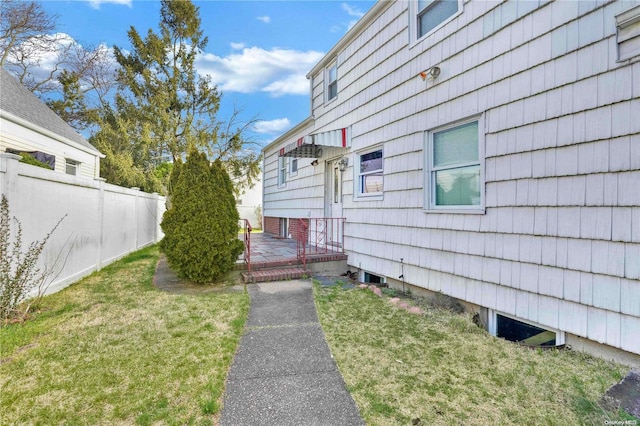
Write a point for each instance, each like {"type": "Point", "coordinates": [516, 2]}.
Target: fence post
{"type": "Point", "coordinates": [135, 215]}
{"type": "Point", "coordinates": [155, 216]}
{"type": "Point", "coordinates": [100, 223]}
{"type": "Point", "coordinates": [8, 173]}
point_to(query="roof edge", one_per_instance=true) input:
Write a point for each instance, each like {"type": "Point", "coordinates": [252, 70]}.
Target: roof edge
{"type": "Point", "coordinates": [289, 133]}
{"type": "Point", "coordinates": [379, 7]}
{"type": "Point", "coordinates": [39, 129]}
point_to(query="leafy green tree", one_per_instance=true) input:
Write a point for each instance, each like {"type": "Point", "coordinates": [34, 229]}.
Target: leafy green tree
{"type": "Point", "coordinates": [124, 163]}
{"type": "Point", "coordinates": [201, 224]}
{"type": "Point", "coordinates": [167, 106]}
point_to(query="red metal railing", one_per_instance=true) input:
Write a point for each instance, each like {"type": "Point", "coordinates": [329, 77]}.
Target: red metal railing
{"type": "Point", "coordinates": [247, 242]}
{"type": "Point", "coordinates": [319, 236]}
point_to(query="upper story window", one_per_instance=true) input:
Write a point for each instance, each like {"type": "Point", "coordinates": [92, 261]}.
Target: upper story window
{"type": "Point", "coordinates": [628, 33]}
{"type": "Point", "coordinates": [332, 81]}
{"type": "Point", "coordinates": [455, 167]}
{"type": "Point", "coordinates": [72, 167]}
{"type": "Point", "coordinates": [293, 167]}
{"type": "Point", "coordinates": [370, 173]}
{"type": "Point", "coordinates": [282, 171]}
{"type": "Point", "coordinates": [432, 13]}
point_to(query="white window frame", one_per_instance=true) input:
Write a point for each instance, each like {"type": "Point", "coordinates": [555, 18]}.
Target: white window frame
{"type": "Point", "coordinates": [369, 196]}
{"type": "Point", "coordinates": [281, 172]}
{"type": "Point", "coordinates": [430, 170]}
{"type": "Point", "coordinates": [68, 162]}
{"type": "Point", "coordinates": [414, 17]}
{"type": "Point", "coordinates": [294, 163]}
{"type": "Point", "coordinates": [627, 34]}
{"type": "Point", "coordinates": [329, 82]}
{"type": "Point", "coordinates": [492, 325]}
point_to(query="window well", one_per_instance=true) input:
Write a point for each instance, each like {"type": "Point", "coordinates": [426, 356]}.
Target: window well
{"type": "Point", "coordinates": [523, 333]}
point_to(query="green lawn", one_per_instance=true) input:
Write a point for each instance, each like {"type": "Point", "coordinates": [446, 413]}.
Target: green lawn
{"type": "Point", "coordinates": [442, 369]}
{"type": "Point", "coordinates": [111, 349]}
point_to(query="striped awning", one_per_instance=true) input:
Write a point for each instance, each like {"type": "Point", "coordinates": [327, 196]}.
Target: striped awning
{"type": "Point", "coordinates": [310, 146]}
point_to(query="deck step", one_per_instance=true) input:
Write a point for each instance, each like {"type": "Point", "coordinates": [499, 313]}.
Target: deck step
{"type": "Point", "coordinates": [278, 274]}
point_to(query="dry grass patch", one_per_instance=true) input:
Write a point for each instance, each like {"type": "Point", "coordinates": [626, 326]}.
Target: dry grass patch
{"type": "Point", "coordinates": [442, 369]}
{"type": "Point", "coordinates": [112, 349]}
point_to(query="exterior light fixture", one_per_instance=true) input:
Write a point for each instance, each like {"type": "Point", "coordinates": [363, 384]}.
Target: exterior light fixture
{"type": "Point", "coordinates": [343, 163]}
{"type": "Point", "coordinates": [314, 162]}
{"type": "Point", "coordinates": [432, 72]}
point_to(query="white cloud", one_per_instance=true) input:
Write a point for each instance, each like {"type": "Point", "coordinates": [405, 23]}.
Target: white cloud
{"type": "Point", "coordinates": [237, 46]}
{"type": "Point", "coordinates": [273, 126]}
{"type": "Point", "coordinates": [265, 19]}
{"type": "Point", "coordinates": [351, 11]}
{"type": "Point", "coordinates": [95, 4]}
{"type": "Point", "coordinates": [275, 71]}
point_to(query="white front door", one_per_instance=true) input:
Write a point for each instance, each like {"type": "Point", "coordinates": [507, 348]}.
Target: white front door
{"type": "Point", "coordinates": [333, 202]}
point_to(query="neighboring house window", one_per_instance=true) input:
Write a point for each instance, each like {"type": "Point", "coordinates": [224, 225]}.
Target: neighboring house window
{"type": "Point", "coordinates": [432, 13]}
{"type": "Point", "coordinates": [455, 167]}
{"type": "Point", "coordinates": [628, 35]}
{"type": "Point", "coordinates": [293, 167]}
{"type": "Point", "coordinates": [370, 173]}
{"type": "Point", "coordinates": [72, 167]}
{"type": "Point", "coordinates": [282, 171]}
{"type": "Point", "coordinates": [332, 81]}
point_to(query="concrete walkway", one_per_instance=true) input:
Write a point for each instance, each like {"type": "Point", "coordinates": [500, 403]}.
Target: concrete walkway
{"type": "Point", "coordinates": [283, 373]}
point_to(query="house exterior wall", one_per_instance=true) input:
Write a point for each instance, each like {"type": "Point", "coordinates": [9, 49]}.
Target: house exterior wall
{"type": "Point", "coordinates": [19, 137]}
{"type": "Point", "coordinates": [556, 240]}
{"type": "Point", "coordinates": [248, 203]}
{"type": "Point", "coordinates": [102, 222]}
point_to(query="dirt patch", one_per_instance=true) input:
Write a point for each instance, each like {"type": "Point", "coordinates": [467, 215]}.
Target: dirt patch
{"type": "Point", "coordinates": [166, 280]}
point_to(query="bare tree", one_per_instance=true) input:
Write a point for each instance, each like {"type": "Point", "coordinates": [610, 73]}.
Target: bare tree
{"type": "Point", "coordinates": [47, 62]}
{"type": "Point", "coordinates": [25, 28]}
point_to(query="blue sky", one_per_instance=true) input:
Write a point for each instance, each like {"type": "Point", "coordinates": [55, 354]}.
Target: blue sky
{"type": "Point", "coordinates": [258, 53]}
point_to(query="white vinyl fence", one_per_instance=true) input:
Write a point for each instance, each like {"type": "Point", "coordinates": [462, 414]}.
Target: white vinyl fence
{"type": "Point", "coordinates": [102, 222]}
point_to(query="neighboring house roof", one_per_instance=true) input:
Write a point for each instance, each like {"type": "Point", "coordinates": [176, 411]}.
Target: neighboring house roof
{"type": "Point", "coordinates": [20, 102]}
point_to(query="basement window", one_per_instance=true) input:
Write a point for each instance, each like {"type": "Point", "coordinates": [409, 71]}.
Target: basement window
{"type": "Point", "coordinates": [524, 333]}
{"type": "Point", "coordinates": [373, 279]}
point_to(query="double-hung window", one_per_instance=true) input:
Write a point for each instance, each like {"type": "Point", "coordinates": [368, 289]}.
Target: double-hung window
{"type": "Point", "coordinates": [72, 167]}
{"type": "Point", "coordinates": [370, 173]}
{"type": "Point", "coordinates": [332, 81]}
{"type": "Point", "coordinates": [432, 13]}
{"type": "Point", "coordinates": [628, 33]}
{"type": "Point", "coordinates": [282, 171]}
{"type": "Point", "coordinates": [455, 175]}
{"type": "Point", "coordinates": [293, 167]}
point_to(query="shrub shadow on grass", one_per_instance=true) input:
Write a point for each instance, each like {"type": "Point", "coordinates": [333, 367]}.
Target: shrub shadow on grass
{"type": "Point", "coordinates": [165, 279]}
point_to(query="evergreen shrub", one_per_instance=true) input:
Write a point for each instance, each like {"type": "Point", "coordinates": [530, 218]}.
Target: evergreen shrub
{"type": "Point", "coordinates": [201, 222]}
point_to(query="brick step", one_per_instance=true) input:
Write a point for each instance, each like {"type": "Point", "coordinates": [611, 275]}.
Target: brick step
{"type": "Point", "coordinates": [291, 262]}
{"type": "Point", "coordinates": [278, 274]}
